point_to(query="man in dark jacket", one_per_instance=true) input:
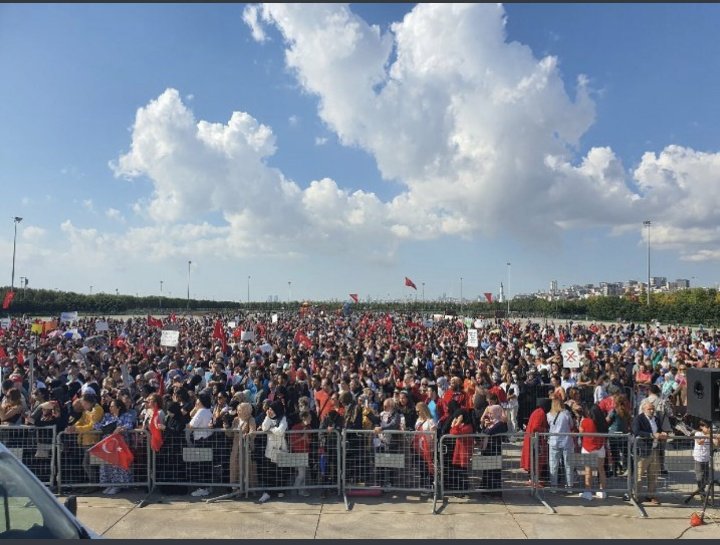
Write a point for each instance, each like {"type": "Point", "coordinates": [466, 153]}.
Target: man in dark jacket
{"type": "Point", "coordinates": [649, 437]}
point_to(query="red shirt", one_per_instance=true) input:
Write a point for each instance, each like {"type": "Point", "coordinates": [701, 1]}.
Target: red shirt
{"type": "Point", "coordinates": [299, 442]}
{"type": "Point", "coordinates": [463, 445]}
{"type": "Point", "coordinates": [590, 444]}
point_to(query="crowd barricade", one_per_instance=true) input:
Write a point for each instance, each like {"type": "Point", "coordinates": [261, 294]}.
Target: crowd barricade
{"type": "Point", "coordinates": [481, 463]}
{"type": "Point", "coordinates": [199, 458]}
{"type": "Point", "coordinates": [671, 466]}
{"type": "Point", "coordinates": [35, 447]}
{"type": "Point", "coordinates": [300, 461]}
{"type": "Point", "coordinates": [570, 478]}
{"type": "Point", "coordinates": [77, 468]}
{"type": "Point", "coordinates": [392, 460]}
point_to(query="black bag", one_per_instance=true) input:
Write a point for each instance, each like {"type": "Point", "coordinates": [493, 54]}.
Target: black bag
{"type": "Point", "coordinates": [107, 429]}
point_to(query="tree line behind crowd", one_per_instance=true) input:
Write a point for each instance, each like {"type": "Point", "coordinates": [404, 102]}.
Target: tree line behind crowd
{"type": "Point", "coordinates": [692, 306]}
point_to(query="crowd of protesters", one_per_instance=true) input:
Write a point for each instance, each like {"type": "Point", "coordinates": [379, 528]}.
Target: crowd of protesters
{"type": "Point", "coordinates": [314, 370]}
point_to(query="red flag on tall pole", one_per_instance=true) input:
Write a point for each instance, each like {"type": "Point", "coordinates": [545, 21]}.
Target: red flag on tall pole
{"type": "Point", "coordinates": [114, 450]}
{"type": "Point", "coordinates": [488, 296]}
{"type": "Point", "coordinates": [8, 299]}
{"type": "Point", "coordinates": [410, 283]}
{"type": "Point", "coordinates": [354, 297]}
{"type": "Point", "coordinates": [219, 333]}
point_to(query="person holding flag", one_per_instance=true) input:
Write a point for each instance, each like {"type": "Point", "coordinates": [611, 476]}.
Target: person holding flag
{"type": "Point", "coordinates": [155, 421]}
{"type": "Point", "coordinates": [116, 421]}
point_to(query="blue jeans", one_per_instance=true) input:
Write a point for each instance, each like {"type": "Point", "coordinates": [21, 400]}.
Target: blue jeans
{"type": "Point", "coordinates": [554, 462]}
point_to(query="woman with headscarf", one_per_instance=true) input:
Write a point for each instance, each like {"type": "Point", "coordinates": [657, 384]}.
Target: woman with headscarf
{"type": "Point", "coordinates": [243, 425]}
{"type": "Point", "coordinates": [537, 424]}
{"type": "Point", "coordinates": [170, 465]}
{"type": "Point", "coordinates": [275, 426]}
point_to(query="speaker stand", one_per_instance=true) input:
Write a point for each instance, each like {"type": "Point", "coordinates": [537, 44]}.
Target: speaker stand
{"type": "Point", "coordinates": [711, 489]}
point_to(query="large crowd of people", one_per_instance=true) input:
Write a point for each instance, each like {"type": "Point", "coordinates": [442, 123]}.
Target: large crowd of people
{"type": "Point", "coordinates": [315, 370]}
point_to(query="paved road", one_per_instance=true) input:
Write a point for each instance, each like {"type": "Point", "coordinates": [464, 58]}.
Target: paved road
{"type": "Point", "coordinates": [516, 516]}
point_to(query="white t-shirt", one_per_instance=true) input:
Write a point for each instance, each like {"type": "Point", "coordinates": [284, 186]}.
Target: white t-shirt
{"type": "Point", "coordinates": [701, 452]}
{"type": "Point", "coordinates": [202, 419]}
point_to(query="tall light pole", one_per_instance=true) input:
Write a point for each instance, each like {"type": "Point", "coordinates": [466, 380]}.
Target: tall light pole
{"type": "Point", "coordinates": [508, 290]}
{"type": "Point", "coordinates": [647, 224]}
{"type": "Point", "coordinates": [289, 291]}
{"type": "Point", "coordinates": [161, 283]}
{"type": "Point", "coordinates": [423, 284]}
{"type": "Point", "coordinates": [16, 220]}
{"type": "Point", "coordinates": [90, 289]}
{"type": "Point", "coordinates": [188, 293]}
{"type": "Point", "coordinates": [461, 294]}
{"type": "Point", "coordinates": [248, 294]}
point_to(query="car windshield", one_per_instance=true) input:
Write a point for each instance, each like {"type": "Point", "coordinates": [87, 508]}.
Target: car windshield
{"type": "Point", "coordinates": [27, 511]}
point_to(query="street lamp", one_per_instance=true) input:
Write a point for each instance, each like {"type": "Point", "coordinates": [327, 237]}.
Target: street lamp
{"type": "Point", "coordinates": [248, 294]}
{"type": "Point", "coordinates": [646, 223]}
{"type": "Point", "coordinates": [16, 220]}
{"type": "Point", "coordinates": [90, 289]}
{"type": "Point", "coordinates": [461, 295]}
{"type": "Point", "coordinates": [508, 290]}
{"type": "Point", "coordinates": [289, 292]}
{"type": "Point", "coordinates": [423, 284]}
{"type": "Point", "coordinates": [161, 283]}
{"type": "Point", "coordinates": [188, 291]}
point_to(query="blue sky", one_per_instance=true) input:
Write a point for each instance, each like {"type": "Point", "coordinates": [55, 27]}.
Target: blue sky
{"type": "Point", "coordinates": [342, 148]}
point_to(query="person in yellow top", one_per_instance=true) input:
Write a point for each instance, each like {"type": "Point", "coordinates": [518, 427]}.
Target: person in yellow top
{"type": "Point", "coordinates": [92, 414]}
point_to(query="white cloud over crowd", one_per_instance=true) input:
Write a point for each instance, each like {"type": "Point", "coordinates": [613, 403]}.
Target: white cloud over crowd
{"type": "Point", "coordinates": [480, 134]}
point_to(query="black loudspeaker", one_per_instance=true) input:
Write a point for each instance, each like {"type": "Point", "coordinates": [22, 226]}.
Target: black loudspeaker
{"type": "Point", "coordinates": [703, 393]}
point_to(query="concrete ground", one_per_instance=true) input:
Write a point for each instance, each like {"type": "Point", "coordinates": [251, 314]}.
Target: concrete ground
{"type": "Point", "coordinates": [516, 516]}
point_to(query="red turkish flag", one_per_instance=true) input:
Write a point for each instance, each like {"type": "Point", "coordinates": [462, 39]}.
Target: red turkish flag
{"type": "Point", "coordinates": [154, 322]}
{"type": "Point", "coordinates": [302, 339]}
{"type": "Point", "coordinates": [173, 318]}
{"type": "Point", "coordinates": [354, 297]}
{"type": "Point", "coordinates": [488, 296]}
{"type": "Point", "coordinates": [8, 299]}
{"type": "Point", "coordinates": [410, 283]}
{"type": "Point", "coordinates": [219, 333]}
{"type": "Point", "coordinates": [114, 450]}
{"type": "Point", "coordinates": [156, 436]}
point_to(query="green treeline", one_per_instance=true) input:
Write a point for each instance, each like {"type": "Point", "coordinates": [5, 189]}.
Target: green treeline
{"type": "Point", "coordinates": [691, 306]}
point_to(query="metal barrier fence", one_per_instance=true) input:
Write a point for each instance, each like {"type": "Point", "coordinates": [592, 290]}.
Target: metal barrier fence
{"type": "Point", "coordinates": [77, 468]}
{"type": "Point", "coordinates": [481, 463]}
{"type": "Point", "coordinates": [567, 468]}
{"type": "Point", "coordinates": [35, 447]}
{"type": "Point", "coordinates": [301, 460]}
{"type": "Point", "coordinates": [667, 469]}
{"type": "Point", "coordinates": [391, 460]}
{"type": "Point", "coordinates": [201, 458]}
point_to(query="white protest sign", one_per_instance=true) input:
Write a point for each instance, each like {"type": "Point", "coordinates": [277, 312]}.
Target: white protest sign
{"type": "Point", "coordinates": [472, 338]}
{"type": "Point", "coordinates": [69, 316]}
{"type": "Point", "coordinates": [168, 337]}
{"type": "Point", "coordinates": [232, 325]}
{"type": "Point", "coordinates": [101, 325]}
{"type": "Point", "coordinates": [479, 323]}
{"type": "Point", "coordinates": [570, 355]}
{"type": "Point", "coordinates": [247, 336]}
{"type": "Point", "coordinates": [274, 318]}
{"type": "Point", "coordinates": [5, 323]}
